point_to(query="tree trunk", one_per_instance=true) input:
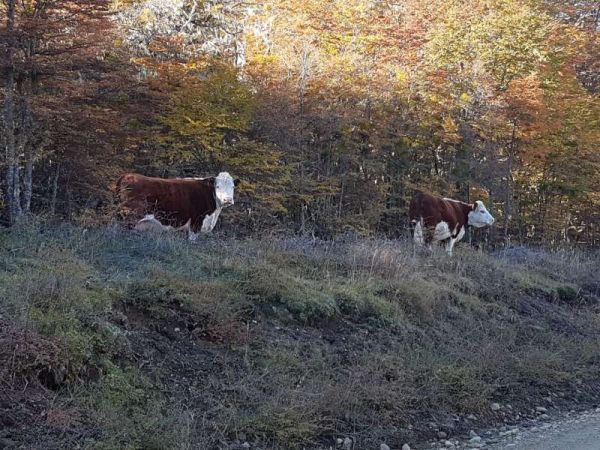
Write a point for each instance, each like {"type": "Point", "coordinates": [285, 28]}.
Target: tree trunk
{"type": "Point", "coordinates": [303, 76]}
{"type": "Point", "coordinates": [24, 148]}
{"type": "Point", "coordinates": [54, 191]}
{"type": "Point", "coordinates": [28, 180]}
{"type": "Point", "coordinates": [508, 203]}
{"type": "Point", "coordinates": [12, 178]}
{"type": "Point", "coordinates": [436, 159]}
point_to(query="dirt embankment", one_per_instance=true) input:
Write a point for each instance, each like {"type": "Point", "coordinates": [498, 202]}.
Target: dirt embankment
{"type": "Point", "coordinates": [114, 340]}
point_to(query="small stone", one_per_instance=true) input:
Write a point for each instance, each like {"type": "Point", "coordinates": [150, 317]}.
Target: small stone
{"type": "Point", "coordinates": [245, 445]}
{"type": "Point", "coordinates": [449, 444]}
{"type": "Point", "coordinates": [472, 417]}
{"type": "Point", "coordinates": [475, 440]}
{"type": "Point", "coordinates": [495, 406]}
{"type": "Point", "coordinates": [347, 444]}
{"type": "Point", "coordinates": [472, 433]}
{"type": "Point", "coordinates": [544, 417]}
{"type": "Point", "coordinates": [406, 447]}
{"type": "Point", "coordinates": [177, 330]}
{"type": "Point", "coordinates": [541, 409]}
{"type": "Point", "coordinates": [384, 447]}
{"type": "Point", "coordinates": [442, 435]}
{"type": "Point", "coordinates": [339, 441]}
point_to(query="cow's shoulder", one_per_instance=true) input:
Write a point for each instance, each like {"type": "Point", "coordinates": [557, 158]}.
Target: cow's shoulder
{"type": "Point", "coordinates": [456, 211]}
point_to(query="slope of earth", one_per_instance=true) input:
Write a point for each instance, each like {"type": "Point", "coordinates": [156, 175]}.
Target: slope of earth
{"type": "Point", "coordinates": [117, 340]}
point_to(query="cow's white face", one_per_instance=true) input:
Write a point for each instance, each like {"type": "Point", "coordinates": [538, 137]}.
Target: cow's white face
{"type": "Point", "coordinates": [480, 217]}
{"type": "Point", "coordinates": [224, 186]}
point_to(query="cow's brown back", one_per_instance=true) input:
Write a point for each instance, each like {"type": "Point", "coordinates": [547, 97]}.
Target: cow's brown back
{"type": "Point", "coordinates": [172, 201]}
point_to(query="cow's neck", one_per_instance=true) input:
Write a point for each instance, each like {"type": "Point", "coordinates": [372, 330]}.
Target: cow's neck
{"type": "Point", "coordinates": [466, 209]}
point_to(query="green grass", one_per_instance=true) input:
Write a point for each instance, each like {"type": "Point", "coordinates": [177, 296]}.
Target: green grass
{"type": "Point", "coordinates": [283, 342]}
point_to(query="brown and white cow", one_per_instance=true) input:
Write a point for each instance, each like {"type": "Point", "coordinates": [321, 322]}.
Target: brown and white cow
{"type": "Point", "coordinates": [442, 219]}
{"type": "Point", "coordinates": [189, 204]}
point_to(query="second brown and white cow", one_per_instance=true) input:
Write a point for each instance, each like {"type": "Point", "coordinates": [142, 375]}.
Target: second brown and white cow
{"type": "Point", "coordinates": [189, 204]}
{"type": "Point", "coordinates": [435, 219]}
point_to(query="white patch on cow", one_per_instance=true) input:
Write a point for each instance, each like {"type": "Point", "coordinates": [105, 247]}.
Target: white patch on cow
{"type": "Point", "coordinates": [460, 235]}
{"type": "Point", "coordinates": [152, 224]}
{"type": "Point", "coordinates": [210, 221]}
{"type": "Point", "coordinates": [418, 233]}
{"type": "Point", "coordinates": [442, 231]}
{"type": "Point", "coordinates": [224, 186]}
{"type": "Point", "coordinates": [452, 241]}
{"type": "Point", "coordinates": [480, 217]}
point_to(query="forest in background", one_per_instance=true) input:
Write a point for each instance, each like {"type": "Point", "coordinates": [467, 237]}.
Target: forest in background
{"type": "Point", "coordinates": [331, 113]}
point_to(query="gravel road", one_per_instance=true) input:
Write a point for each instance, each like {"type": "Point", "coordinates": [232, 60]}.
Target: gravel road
{"type": "Point", "coordinates": [570, 431]}
{"type": "Point", "coordinates": [578, 432]}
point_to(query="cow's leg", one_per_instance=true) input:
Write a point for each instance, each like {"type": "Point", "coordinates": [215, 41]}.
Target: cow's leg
{"type": "Point", "coordinates": [452, 241]}
{"type": "Point", "coordinates": [422, 235]}
{"type": "Point", "coordinates": [418, 231]}
{"type": "Point", "coordinates": [450, 245]}
{"type": "Point", "coordinates": [185, 228]}
{"type": "Point", "coordinates": [429, 245]}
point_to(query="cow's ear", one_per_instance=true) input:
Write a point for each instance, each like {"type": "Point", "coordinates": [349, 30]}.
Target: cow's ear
{"type": "Point", "coordinates": [237, 181]}
{"type": "Point", "coordinates": [210, 181]}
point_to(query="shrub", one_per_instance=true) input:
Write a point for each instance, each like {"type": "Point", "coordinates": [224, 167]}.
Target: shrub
{"type": "Point", "coordinates": [282, 293]}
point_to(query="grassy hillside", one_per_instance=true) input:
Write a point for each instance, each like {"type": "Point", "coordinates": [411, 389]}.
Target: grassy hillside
{"type": "Point", "coordinates": [117, 340]}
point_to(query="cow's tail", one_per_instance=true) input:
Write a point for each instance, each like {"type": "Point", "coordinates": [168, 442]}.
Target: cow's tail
{"type": "Point", "coordinates": [116, 188]}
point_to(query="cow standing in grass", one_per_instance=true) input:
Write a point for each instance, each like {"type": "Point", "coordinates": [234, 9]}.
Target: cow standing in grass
{"type": "Point", "coordinates": [435, 219]}
{"type": "Point", "coordinates": [190, 204]}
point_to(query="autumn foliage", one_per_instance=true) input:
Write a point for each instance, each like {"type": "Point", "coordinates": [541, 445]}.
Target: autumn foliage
{"type": "Point", "coordinates": [331, 112]}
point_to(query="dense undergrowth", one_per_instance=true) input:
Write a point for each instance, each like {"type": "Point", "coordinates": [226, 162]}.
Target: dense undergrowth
{"type": "Point", "coordinates": [111, 339]}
